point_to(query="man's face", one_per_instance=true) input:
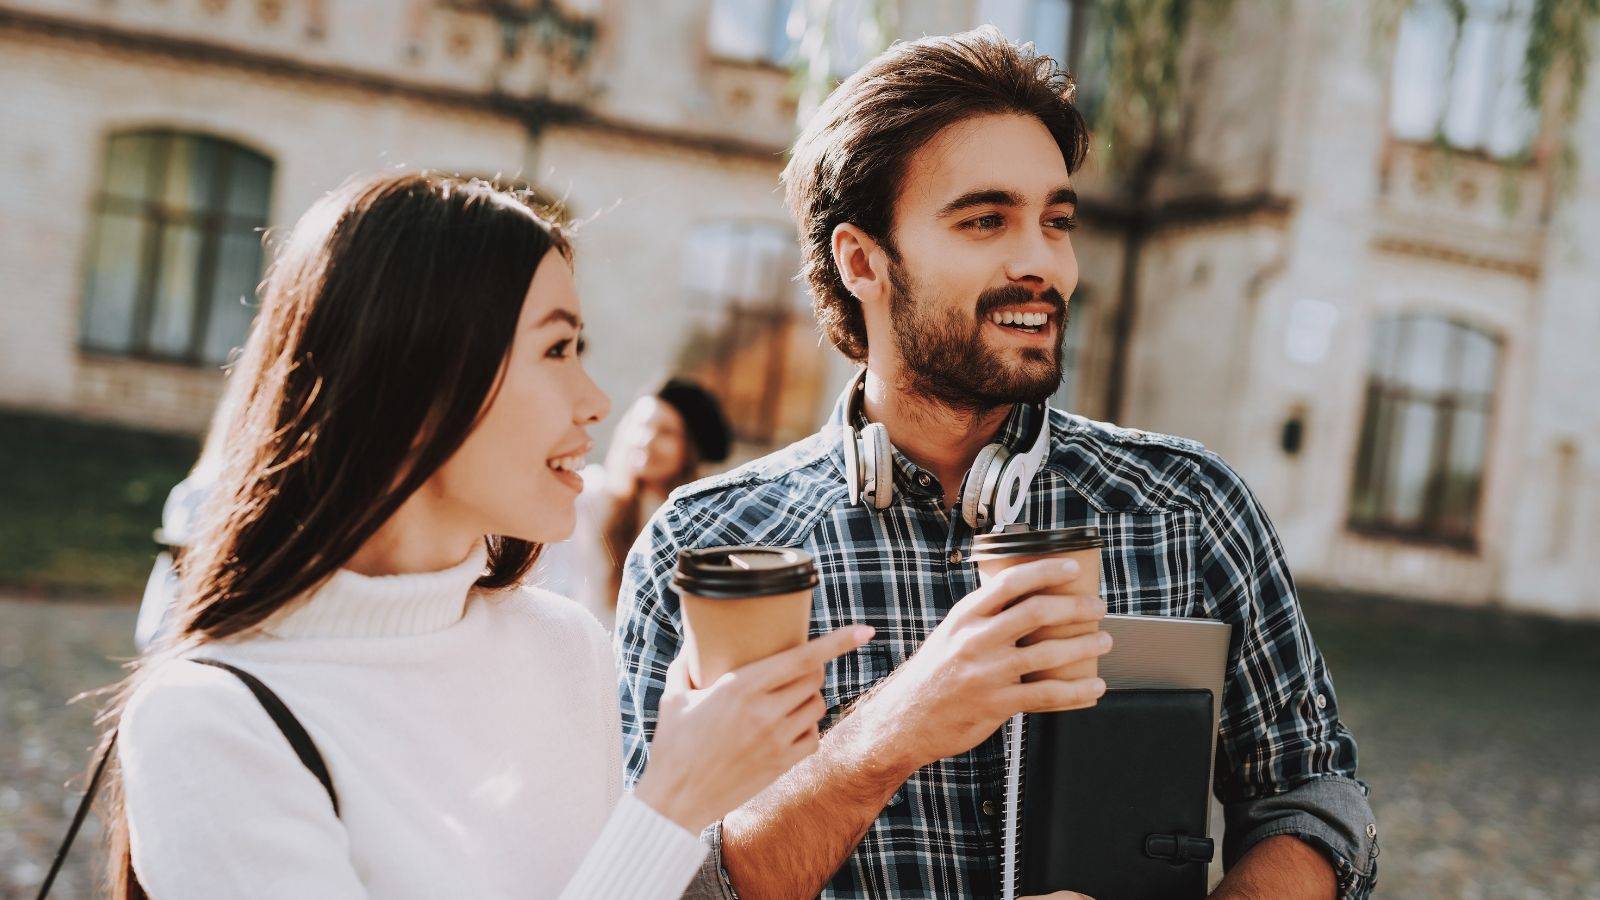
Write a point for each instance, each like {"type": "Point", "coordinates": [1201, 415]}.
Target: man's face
{"type": "Point", "coordinates": [977, 306]}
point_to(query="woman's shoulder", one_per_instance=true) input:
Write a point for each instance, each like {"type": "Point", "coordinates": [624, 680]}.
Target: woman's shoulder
{"type": "Point", "coordinates": [179, 702]}
{"type": "Point", "coordinates": [551, 615]}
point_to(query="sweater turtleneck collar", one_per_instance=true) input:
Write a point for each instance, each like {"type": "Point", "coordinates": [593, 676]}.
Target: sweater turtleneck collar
{"type": "Point", "coordinates": [349, 605]}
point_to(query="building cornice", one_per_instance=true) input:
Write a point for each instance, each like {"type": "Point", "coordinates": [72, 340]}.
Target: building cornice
{"type": "Point", "coordinates": [535, 112]}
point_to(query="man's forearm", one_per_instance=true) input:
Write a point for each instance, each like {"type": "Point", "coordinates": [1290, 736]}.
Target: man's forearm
{"type": "Point", "coordinates": [790, 839]}
{"type": "Point", "coordinates": [1282, 866]}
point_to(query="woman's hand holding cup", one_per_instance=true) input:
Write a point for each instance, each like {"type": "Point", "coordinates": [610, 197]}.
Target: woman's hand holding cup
{"type": "Point", "coordinates": [717, 747]}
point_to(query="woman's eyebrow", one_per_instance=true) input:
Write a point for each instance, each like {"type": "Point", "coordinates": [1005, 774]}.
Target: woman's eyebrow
{"type": "Point", "coordinates": [560, 315]}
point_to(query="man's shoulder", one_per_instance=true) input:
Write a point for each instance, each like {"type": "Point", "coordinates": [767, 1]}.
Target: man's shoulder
{"type": "Point", "coordinates": [1125, 468]}
{"type": "Point", "coordinates": [773, 499]}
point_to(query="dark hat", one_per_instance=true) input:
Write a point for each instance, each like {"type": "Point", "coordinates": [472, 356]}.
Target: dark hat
{"type": "Point", "coordinates": [701, 412]}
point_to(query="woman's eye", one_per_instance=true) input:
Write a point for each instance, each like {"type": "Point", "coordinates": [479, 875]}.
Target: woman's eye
{"type": "Point", "coordinates": [561, 349]}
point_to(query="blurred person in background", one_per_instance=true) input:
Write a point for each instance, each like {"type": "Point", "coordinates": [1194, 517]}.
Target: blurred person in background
{"type": "Point", "coordinates": [660, 444]}
{"type": "Point", "coordinates": [412, 413]}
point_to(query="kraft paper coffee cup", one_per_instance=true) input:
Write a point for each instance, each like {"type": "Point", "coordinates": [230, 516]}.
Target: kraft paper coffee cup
{"type": "Point", "coordinates": [996, 552]}
{"type": "Point", "coordinates": [742, 604]}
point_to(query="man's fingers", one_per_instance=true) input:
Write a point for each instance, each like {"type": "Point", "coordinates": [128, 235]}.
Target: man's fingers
{"type": "Point", "coordinates": [678, 674]}
{"type": "Point", "coordinates": [1059, 652]}
{"type": "Point", "coordinates": [1018, 581]}
{"type": "Point", "coordinates": [1040, 610]}
{"type": "Point", "coordinates": [781, 668]}
{"type": "Point", "coordinates": [1049, 694]}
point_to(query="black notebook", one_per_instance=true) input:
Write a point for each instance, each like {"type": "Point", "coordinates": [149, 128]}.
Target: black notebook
{"type": "Point", "coordinates": [1111, 801]}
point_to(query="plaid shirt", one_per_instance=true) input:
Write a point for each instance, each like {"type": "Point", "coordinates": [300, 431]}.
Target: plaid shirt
{"type": "Point", "coordinates": [1184, 537]}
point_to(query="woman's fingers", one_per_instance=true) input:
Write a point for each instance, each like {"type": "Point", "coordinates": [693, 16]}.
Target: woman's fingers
{"type": "Point", "coordinates": [781, 668]}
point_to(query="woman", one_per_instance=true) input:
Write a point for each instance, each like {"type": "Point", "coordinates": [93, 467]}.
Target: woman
{"type": "Point", "coordinates": [659, 444]}
{"type": "Point", "coordinates": [409, 430]}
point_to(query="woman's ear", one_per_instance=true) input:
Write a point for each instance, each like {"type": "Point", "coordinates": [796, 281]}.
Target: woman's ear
{"type": "Point", "coordinates": [862, 264]}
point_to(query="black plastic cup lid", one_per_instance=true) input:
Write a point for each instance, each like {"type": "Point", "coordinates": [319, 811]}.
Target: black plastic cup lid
{"type": "Point", "coordinates": [731, 573]}
{"type": "Point", "coordinates": [1021, 541]}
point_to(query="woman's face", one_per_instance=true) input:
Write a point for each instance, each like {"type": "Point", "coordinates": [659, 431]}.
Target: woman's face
{"type": "Point", "coordinates": [517, 472]}
{"type": "Point", "coordinates": [654, 438]}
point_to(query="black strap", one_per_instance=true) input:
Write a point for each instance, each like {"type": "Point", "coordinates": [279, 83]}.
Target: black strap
{"type": "Point", "coordinates": [303, 746]}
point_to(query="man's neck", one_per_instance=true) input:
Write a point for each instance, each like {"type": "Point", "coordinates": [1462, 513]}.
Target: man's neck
{"type": "Point", "coordinates": [938, 437]}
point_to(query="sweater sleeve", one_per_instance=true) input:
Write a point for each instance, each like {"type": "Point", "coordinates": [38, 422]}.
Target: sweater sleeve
{"type": "Point", "coordinates": [218, 804]}
{"type": "Point", "coordinates": [639, 853]}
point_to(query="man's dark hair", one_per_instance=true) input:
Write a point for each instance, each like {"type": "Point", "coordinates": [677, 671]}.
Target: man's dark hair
{"type": "Point", "coordinates": [848, 162]}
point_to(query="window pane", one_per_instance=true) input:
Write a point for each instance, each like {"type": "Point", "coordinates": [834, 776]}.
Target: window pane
{"type": "Point", "coordinates": [172, 320]}
{"type": "Point", "coordinates": [1410, 464]}
{"type": "Point", "coordinates": [1514, 121]}
{"type": "Point", "coordinates": [128, 161]}
{"type": "Point", "coordinates": [249, 185]}
{"type": "Point", "coordinates": [1421, 68]}
{"type": "Point", "coordinates": [1047, 23]}
{"type": "Point", "coordinates": [113, 287]}
{"type": "Point", "coordinates": [1464, 474]}
{"type": "Point", "coordinates": [748, 29]}
{"type": "Point", "coordinates": [1383, 355]}
{"type": "Point", "coordinates": [1473, 81]}
{"type": "Point", "coordinates": [1425, 354]}
{"type": "Point", "coordinates": [233, 300]}
{"type": "Point", "coordinates": [191, 184]}
{"type": "Point", "coordinates": [1478, 363]}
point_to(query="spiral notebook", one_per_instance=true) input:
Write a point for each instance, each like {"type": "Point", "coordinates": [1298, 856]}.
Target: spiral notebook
{"type": "Point", "coordinates": [1150, 656]}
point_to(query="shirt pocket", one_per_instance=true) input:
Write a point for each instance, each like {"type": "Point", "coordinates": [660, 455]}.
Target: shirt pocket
{"type": "Point", "coordinates": [850, 676]}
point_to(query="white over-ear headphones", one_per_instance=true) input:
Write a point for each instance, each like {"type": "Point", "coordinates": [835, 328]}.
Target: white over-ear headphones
{"type": "Point", "coordinates": [997, 485]}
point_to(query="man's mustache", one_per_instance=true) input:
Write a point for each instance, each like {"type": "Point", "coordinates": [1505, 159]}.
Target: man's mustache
{"type": "Point", "coordinates": [1016, 295]}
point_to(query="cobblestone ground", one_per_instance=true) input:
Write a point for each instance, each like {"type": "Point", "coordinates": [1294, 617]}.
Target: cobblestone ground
{"type": "Point", "coordinates": [1481, 749]}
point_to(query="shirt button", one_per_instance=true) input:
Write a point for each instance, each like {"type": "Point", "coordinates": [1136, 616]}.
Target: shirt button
{"type": "Point", "coordinates": [923, 479]}
{"type": "Point", "coordinates": [1322, 702]}
{"type": "Point", "coordinates": [1372, 829]}
{"type": "Point", "coordinates": [955, 556]}
{"type": "Point", "coordinates": [988, 808]}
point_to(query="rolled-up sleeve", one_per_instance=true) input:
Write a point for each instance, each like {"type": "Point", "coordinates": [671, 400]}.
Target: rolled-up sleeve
{"type": "Point", "coordinates": [1285, 763]}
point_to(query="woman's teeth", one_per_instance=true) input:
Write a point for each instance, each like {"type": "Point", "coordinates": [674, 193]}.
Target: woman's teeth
{"type": "Point", "coordinates": [1020, 320]}
{"type": "Point", "coordinates": [566, 463]}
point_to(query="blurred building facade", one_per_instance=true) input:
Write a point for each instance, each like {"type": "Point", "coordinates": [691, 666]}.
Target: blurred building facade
{"type": "Point", "coordinates": [1358, 273]}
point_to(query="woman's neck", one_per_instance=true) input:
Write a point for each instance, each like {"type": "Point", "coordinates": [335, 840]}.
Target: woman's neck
{"type": "Point", "coordinates": [414, 539]}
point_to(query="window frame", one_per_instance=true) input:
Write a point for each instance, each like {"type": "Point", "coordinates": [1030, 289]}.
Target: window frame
{"type": "Point", "coordinates": [1373, 470]}
{"type": "Point", "coordinates": [156, 219]}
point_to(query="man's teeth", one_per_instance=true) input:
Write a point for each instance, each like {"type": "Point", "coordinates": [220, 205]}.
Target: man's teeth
{"type": "Point", "coordinates": [567, 463]}
{"type": "Point", "coordinates": [1029, 320]}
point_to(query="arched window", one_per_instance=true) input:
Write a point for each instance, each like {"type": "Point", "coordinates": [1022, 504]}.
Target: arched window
{"type": "Point", "coordinates": [176, 247]}
{"type": "Point", "coordinates": [756, 344]}
{"type": "Point", "coordinates": [1430, 394]}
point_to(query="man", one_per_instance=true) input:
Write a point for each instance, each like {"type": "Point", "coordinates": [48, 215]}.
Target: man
{"type": "Point", "coordinates": [934, 200]}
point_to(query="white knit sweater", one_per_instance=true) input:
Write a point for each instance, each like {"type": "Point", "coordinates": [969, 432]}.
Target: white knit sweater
{"type": "Point", "coordinates": [472, 737]}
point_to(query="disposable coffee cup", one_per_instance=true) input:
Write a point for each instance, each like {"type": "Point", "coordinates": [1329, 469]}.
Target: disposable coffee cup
{"type": "Point", "coordinates": [742, 604]}
{"type": "Point", "coordinates": [998, 551]}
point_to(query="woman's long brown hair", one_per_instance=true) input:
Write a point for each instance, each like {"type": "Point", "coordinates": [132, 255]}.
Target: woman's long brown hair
{"type": "Point", "coordinates": [384, 326]}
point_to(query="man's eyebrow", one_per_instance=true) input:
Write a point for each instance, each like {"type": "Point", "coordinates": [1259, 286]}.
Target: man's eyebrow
{"type": "Point", "coordinates": [982, 197]}
{"type": "Point", "coordinates": [1062, 195]}
{"type": "Point", "coordinates": [560, 315]}
{"type": "Point", "coordinates": [1004, 197]}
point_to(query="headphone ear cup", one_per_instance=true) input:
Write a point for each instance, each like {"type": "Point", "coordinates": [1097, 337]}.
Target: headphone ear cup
{"type": "Point", "coordinates": [876, 436]}
{"type": "Point", "coordinates": [985, 469]}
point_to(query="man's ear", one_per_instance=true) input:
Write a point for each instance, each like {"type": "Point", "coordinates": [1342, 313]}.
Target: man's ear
{"type": "Point", "coordinates": [862, 263]}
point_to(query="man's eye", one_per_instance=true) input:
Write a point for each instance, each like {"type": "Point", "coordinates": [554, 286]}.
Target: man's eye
{"type": "Point", "coordinates": [1064, 223]}
{"type": "Point", "coordinates": [985, 223]}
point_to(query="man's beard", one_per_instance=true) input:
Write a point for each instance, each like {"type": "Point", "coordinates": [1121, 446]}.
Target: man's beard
{"type": "Point", "coordinates": [945, 358]}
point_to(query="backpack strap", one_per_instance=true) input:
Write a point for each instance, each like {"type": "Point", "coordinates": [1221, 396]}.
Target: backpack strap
{"type": "Point", "coordinates": [296, 734]}
{"type": "Point", "coordinates": [303, 746]}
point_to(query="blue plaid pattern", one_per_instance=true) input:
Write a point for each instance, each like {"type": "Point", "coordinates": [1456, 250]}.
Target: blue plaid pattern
{"type": "Point", "coordinates": [1184, 537]}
